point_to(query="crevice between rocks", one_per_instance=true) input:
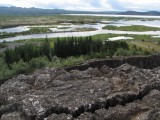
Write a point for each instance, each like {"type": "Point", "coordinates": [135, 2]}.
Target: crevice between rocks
{"type": "Point", "coordinates": [9, 108]}
{"type": "Point", "coordinates": [122, 99]}
{"type": "Point", "coordinates": [116, 100]}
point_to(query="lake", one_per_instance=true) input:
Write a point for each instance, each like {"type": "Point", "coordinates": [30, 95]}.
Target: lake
{"type": "Point", "coordinates": [126, 16]}
{"type": "Point", "coordinates": [67, 30]}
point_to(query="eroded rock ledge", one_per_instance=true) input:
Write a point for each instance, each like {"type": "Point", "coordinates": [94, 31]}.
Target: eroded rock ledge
{"type": "Point", "coordinates": [126, 92]}
{"type": "Point", "coordinates": [146, 62]}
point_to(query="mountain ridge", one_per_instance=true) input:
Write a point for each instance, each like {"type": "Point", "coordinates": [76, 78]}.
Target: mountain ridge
{"type": "Point", "coordinates": [39, 11]}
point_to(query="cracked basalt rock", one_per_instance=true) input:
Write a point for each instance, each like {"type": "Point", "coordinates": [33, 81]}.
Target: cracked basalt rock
{"type": "Point", "coordinates": [59, 117]}
{"type": "Point", "coordinates": [138, 110]}
{"type": "Point", "coordinates": [13, 116]}
{"type": "Point", "coordinates": [125, 92]}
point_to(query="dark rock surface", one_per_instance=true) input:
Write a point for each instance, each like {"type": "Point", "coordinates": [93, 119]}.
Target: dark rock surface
{"type": "Point", "coordinates": [123, 93]}
{"type": "Point", "coordinates": [13, 116]}
{"type": "Point", "coordinates": [146, 62]}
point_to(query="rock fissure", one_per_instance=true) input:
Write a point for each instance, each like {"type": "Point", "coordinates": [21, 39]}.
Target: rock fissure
{"type": "Point", "coordinates": [120, 100]}
{"type": "Point", "coordinates": [96, 93]}
{"type": "Point", "coordinates": [112, 102]}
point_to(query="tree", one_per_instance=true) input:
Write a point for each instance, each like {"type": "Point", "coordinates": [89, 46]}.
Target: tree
{"type": "Point", "coordinates": [134, 47]}
{"type": "Point", "coordinates": [9, 57]}
{"type": "Point", "coordinates": [46, 49]}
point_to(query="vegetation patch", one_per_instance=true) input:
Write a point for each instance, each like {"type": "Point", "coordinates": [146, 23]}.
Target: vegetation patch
{"type": "Point", "coordinates": [37, 30]}
{"type": "Point", "coordinates": [3, 45]}
{"type": "Point", "coordinates": [139, 28]}
{"type": "Point", "coordinates": [63, 27]}
{"type": "Point", "coordinates": [33, 30]}
{"type": "Point", "coordinates": [61, 53]}
{"type": "Point", "coordinates": [85, 29]}
{"type": "Point", "coordinates": [12, 21]}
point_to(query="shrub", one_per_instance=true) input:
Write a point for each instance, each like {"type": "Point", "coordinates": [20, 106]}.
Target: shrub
{"type": "Point", "coordinates": [146, 52]}
{"type": "Point", "coordinates": [20, 67]}
{"type": "Point", "coordinates": [122, 52]}
{"type": "Point", "coordinates": [37, 63]}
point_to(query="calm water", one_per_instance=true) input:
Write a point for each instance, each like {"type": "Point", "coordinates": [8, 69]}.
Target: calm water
{"type": "Point", "coordinates": [77, 34]}
{"type": "Point", "coordinates": [120, 38]}
{"type": "Point", "coordinates": [15, 29]}
{"type": "Point", "coordinates": [68, 32]}
{"type": "Point", "coordinates": [130, 16]}
{"type": "Point", "coordinates": [154, 23]}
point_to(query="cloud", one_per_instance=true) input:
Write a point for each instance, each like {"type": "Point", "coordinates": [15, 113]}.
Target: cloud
{"type": "Point", "coordinates": [140, 5]}
{"type": "Point", "coordinates": [92, 5]}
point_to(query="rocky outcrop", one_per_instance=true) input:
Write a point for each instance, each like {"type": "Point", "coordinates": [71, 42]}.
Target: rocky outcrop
{"type": "Point", "coordinates": [13, 116]}
{"type": "Point", "coordinates": [146, 62]}
{"type": "Point", "coordinates": [103, 93]}
{"type": "Point", "coordinates": [138, 110]}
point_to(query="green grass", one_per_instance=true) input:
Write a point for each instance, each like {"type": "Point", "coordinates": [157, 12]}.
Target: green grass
{"type": "Point", "coordinates": [151, 46]}
{"type": "Point", "coordinates": [148, 38]}
{"type": "Point", "coordinates": [143, 41]}
{"type": "Point", "coordinates": [139, 28]}
{"type": "Point", "coordinates": [105, 36]}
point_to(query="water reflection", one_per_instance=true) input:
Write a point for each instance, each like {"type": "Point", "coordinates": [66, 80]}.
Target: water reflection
{"type": "Point", "coordinates": [15, 29]}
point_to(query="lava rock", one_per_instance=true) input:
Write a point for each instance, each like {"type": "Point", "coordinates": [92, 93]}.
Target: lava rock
{"type": "Point", "coordinates": [126, 92]}
{"type": "Point", "coordinates": [13, 116]}
{"type": "Point", "coordinates": [59, 117]}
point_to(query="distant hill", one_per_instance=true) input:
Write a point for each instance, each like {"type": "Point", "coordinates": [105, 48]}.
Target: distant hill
{"type": "Point", "coordinates": [156, 13]}
{"type": "Point", "coordinates": [38, 11]}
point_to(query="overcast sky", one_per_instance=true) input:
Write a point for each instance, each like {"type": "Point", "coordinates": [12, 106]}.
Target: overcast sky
{"type": "Point", "coordinates": [91, 5]}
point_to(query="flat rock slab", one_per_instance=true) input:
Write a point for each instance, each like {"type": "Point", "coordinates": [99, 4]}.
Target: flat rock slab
{"type": "Point", "coordinates": [126, 92]}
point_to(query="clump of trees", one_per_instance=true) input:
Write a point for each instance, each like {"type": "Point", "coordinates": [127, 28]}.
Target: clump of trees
{"type": "Point", "coordinates": [29, 57]}
{"type": "Point", "coordinates": [27, 52]}
{"type": "Point", "coordinates": [85, 45]}
{"type": "Point", "coordinates": [64, 48]}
